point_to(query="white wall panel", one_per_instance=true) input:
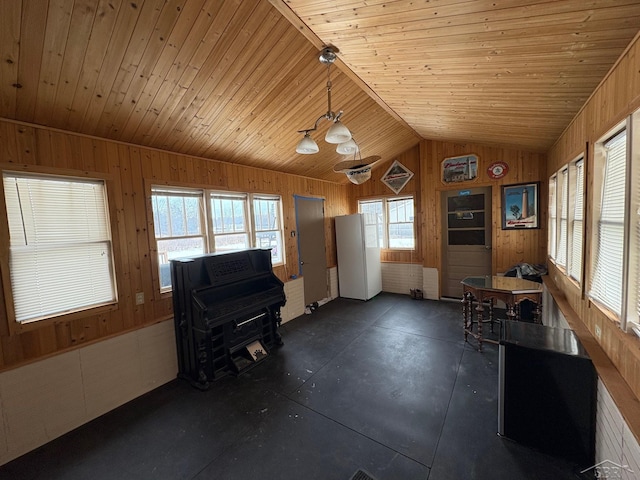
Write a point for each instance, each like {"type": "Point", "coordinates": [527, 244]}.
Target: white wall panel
{"type": "Point", "coordinates": [294, 291]}
{"type": "Point", "coordinates": [630, 454]}
{"type": "Point", "coordinates": [45, 399]}
{"type": "Point", "coordinates": [41, 401]}
{"type": "Point", "coordinates": [111, 373]}
{"type": "Point", "coordinates": [333, 283]}
{"type": "Point", "coordinates": [615, 444]}
{"type": "Point", "coordinates": [401, 277]}
{"type": "Point", "coordinates": [430, 284]}
{"type": "Point", "coordinates": [158, 355]}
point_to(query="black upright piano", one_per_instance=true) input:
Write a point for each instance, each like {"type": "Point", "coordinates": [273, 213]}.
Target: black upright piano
{"type": "Point", "coordinates": [226, 312]}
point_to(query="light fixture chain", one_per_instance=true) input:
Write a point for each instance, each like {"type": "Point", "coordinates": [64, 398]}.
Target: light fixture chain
{"type": "Point", "coordinates": [329, 85]}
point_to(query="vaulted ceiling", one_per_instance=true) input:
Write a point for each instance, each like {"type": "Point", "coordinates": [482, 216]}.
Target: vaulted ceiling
{"type": "Point", "coordinates": [235, 80]}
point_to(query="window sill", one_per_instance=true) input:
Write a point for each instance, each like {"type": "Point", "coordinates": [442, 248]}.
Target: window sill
{"type": "Point", "coordinates": [16, 328]}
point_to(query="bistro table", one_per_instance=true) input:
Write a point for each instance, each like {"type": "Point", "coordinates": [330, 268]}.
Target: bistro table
{"type": "Point", "coordinates": [488, 289]}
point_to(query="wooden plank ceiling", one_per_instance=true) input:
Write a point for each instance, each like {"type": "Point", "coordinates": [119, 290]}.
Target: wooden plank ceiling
{"type": "Point", "coordinates": [234, 80]}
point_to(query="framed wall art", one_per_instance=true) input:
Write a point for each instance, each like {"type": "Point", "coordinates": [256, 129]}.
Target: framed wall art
{"type": "Point", "coordinates": [520, 206]}
{"type": "Point", "coordinates": [397, 176]}
{"type": "Point", "coordinates": [460, 169]}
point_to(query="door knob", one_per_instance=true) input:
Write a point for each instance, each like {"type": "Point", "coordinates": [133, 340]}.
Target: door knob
{"type": "Point", "coordinates": [487, 247]}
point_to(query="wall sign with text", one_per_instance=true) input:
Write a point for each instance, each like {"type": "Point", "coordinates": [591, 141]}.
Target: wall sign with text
{"type": "Point", "coordinates": [460, 169]}
{"type": "Point", "coordinates": [497, 170]}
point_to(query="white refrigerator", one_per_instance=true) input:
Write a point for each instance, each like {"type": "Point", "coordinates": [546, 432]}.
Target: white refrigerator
{"type": "Point", "coordinates": [359, 270]}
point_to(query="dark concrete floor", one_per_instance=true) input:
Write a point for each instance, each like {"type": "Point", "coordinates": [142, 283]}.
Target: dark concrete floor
{"type": "Point", "coordinates": [387, 386]}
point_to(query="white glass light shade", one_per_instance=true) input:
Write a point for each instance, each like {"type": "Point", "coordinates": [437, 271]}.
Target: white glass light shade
{"type": "Point", "coordinates": [307, 146]}
{"type": "Point", "coordinates": [349, 147]}
{"type": "Point", "coordinates": [338, 133]}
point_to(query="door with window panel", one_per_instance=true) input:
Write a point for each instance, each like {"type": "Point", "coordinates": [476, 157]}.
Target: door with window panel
{"type": "Point", "coordinates": [466, 237]}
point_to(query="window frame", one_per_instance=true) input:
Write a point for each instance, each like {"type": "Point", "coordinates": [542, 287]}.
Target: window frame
{"type": "Point", "coordinates": [562, 216]}
{"type": "Point", "coordinates": [552, 238]}
{"type": "Point", "coordinates": [599, 182]}
{"type": "Point", "coordinates": [576, 243]}
{"type": "Point", "coordinates": [214, 235]}
{"type": "Point", "coordinates": [386, 223]}
{"type": "Point", "coordinates": [181, 193]}
{"type": "Point", "coordinates": [279, 231]}
{"type": "Point", "coordinates": [378, 224]}
{"type": "Point", "coordinates": [76, 312]}
{"type": "Point", "coordinates": [206, 196]}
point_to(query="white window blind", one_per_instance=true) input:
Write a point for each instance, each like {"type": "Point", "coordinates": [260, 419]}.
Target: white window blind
{"type": "Point", "coordinates": [553, 226]}
{"type": "Point", "coordinates": [561, 257]}
{"type": "Point", "coordinates": [577, 229]}
{"type": "Point", "coordinates": [607, 276]}
{"type": "Point", "coordinates": [635, 269]}
{"type": "Point", "coordinates": [60, 245]}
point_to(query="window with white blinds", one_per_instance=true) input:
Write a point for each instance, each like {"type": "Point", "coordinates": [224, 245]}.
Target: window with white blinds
{"type": "Point", "coordinates": [577, 229]}
{"type": "Point", "coordinates": [60, 254]}
{"type": "Point", "coordinates": [633, 300]}
{"type": "Point", "coordinates": [563, 196]}
{"type": "Point", "coordinates": [634, 270]}
{"type": "Point", "coordinates": [607, 274]}
{"type": "Point", "coordinates": [553, 225]}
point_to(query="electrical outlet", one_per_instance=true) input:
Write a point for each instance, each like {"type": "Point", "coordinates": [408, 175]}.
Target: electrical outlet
{"type": "Point", "coordinates": [139, 298]}
{"type": "Point", "coordinates": [598, 332]}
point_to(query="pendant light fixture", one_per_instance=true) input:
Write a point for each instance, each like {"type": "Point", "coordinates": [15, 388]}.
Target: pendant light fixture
{"type": "Point", "coordinates": [338, 133]}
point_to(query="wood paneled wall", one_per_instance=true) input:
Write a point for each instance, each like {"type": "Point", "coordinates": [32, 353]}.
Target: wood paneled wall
{"type": "Point", "coordinates": [374, 188]}
{"type": "Point", "coordinates": [129, 172]}
{"type": "Point", "coordinates": [509, 247]}
{"type": "Point", "coordinates": [617, 97]}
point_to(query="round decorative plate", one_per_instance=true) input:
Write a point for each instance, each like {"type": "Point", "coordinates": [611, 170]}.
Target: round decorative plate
{"type": "Point", "coordinates": [497, 170]}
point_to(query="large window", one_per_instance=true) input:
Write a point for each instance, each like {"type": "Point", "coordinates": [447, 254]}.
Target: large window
{"type": "Point", "coordinates": [178, 219]}
{"type": "Point", "coordinates": [60, 255]}
{"type": "Point", "coordinates": [563, 223]}
{"type": "Point", "coordinates": [553, 223]}
{"type": "Point", "coordinates": [268, 231]}
{"type": "Point", "coordinates": [577, 218]}
{"type": "Point", "coordinates": [185, 224]}
{"type": "Point", "coordinates": [607, 276]}
{"type": "Point", "coordinates": [374, 221]}
{"type": "Point", "coordinates": [391, 220]}
{"type": "Point", "coordinates": [400, 214]}
{"type": "Point", "coordinates": [566, 213]}
{"type": "Point", "coordinates": [230, 226]}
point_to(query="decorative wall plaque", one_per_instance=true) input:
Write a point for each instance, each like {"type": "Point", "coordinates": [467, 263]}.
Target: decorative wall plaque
{"type": "Point", "coordinates": [397, 177]}
{"type": "Point", "coordinates": [497, 170]}
{"type": "Point", "coordinates": [460, 169]}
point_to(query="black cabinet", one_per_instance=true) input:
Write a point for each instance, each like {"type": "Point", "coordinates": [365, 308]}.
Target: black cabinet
{"type": "Point", "coordinates": [547, 397]}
